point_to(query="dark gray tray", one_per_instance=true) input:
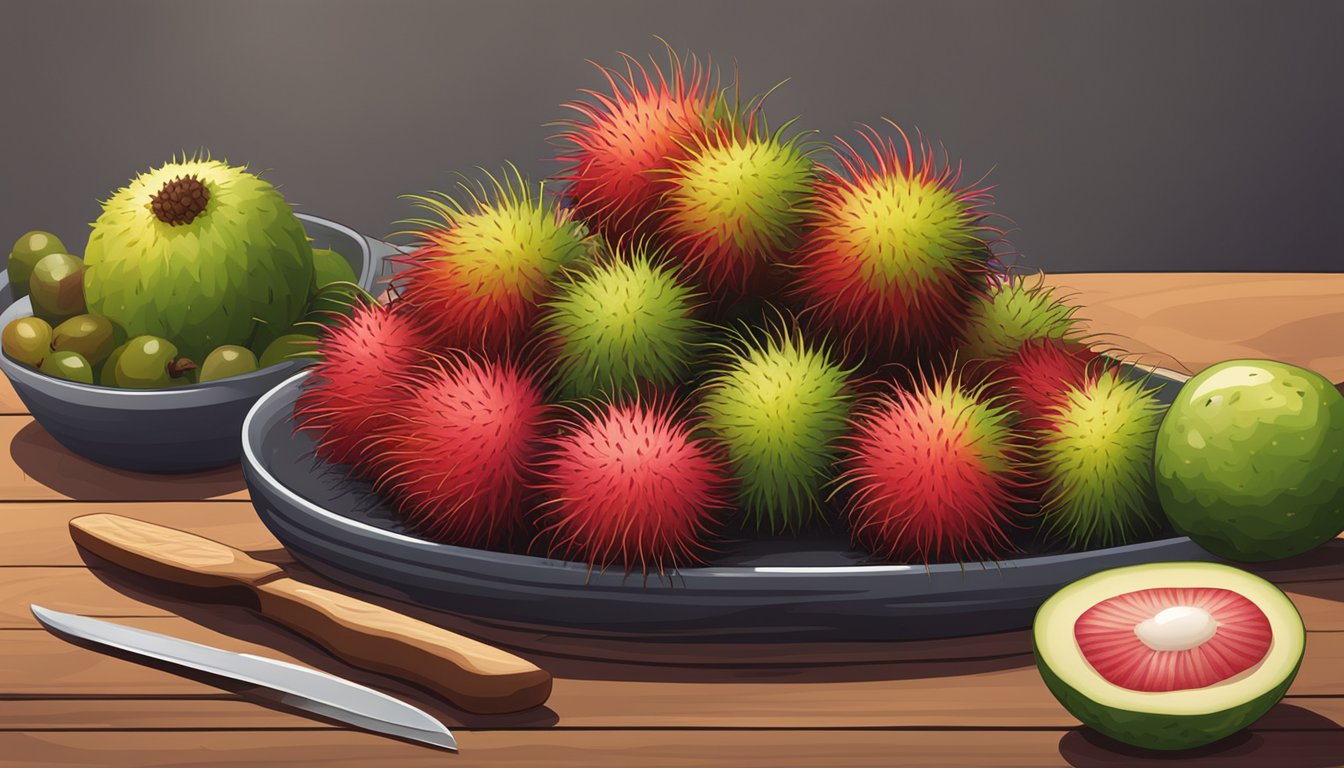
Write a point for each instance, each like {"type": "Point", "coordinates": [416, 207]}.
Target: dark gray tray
{"type": "Point", "coordinates": [776, 590]}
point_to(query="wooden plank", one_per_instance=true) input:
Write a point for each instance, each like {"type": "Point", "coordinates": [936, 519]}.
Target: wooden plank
{"type": "Point", "coordinates": [1318, 746]}
{"type": "Point", "coordinates": [37, 534]}
{"type": "Point", "coordinates": [41, 469]}
{"type": "Point", "coordinates": [36, 664]}
{"type": "Point", "coordinates": [10, 404]}
{"type": "Point", "coordinates": [1197, 319]}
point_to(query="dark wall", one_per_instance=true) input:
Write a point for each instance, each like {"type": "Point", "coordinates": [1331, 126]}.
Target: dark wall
{"type": "Point", "coordinates": [1122, 135]}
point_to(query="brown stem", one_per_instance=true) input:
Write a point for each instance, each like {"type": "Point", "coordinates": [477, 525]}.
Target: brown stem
{"type": "Point", "coordinates": [180, 366]}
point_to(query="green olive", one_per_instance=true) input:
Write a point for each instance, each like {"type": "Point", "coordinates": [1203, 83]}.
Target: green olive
{"type": "Point", "coordinates": [70, 366]}
{"type": "Point", "coordinates": [291, 346]}
{"type": "Point", "coordinates": [228, 360]}
{"type": "Point", "coordinates": [57, 287]}
{"type": "Point", "coordinates": [90, 335]}
{"type": "Point", "coordinates": [27, 251]}
{"type": "Point", "coordinates": [28, 340]}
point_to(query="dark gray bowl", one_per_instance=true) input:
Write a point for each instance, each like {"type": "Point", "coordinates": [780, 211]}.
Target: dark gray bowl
{"type": "Point", "coordinates": [172, 430]}
{"type": "Point", "coordinates": [774, 590]}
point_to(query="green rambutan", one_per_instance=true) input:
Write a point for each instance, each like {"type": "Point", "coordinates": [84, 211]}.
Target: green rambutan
{"type": "Point", "coordinates": [1095, 461]}
{"type": "Point", "coordinates": [895, 250]}
{"type": "Point", "coordinates": [736, 201]}
{"type": "Point", "coordinates": [778, 408]}
{"type": "Point", "coordinates": [1015, 310]}
{"type": "Point", "coordinates": [620, 323]}
{"type": "Point", "coordinates": [481, 271]}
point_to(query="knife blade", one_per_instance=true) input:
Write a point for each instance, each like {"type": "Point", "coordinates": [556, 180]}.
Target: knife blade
{"type": "Point", "coordinates": [281, 682]}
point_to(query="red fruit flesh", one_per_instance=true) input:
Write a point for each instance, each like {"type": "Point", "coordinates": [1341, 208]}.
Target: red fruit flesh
{"type": "Point", "coordinates": [1107, 638]}
{"type": "Point", "coordinates": [879, 268]}
{"type": "Point", "coordinates": [624, 146]}
{"type": "Point", "coordinates": [351, 390]}
{"type": "Point", "coordinates": [455, 451]}
{"type": "Point", "coordinates": [629, 486]}
{"type": "Point", "coordinates": [1036, 380]}
{"type": "Point", "coordinates": [928, 484]}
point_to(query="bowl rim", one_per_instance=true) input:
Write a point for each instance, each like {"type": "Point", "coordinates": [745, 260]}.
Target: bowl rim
{"type": "Point", "coordinates": [186, 396]}
{"type": "Point", "coordinates": [779, 576]}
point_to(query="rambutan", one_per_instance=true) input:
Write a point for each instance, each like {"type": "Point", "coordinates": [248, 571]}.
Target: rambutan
{"type": "Point", "coordinates": [625, 142]}
{"type": "Point", "coordinates": [623, 322]}
{"type": "Point", "coordinates": [479, 273]}
{"type": "Point", "coordinates": [350, 392]}
{"type": "Point", "coordinates": [778, 408]}
{"type": "Point", "coordinates": [933, 474]}
{"type": "Point", "coordinates": [454, 454]}
{"type": "Point", "coordinates": [736, 202]}
{"type": "Point", "coordinates": [1015, 309]}
{"type": "Point", "coordinates": [1037, 377]}
{"type": "Point", "coordinates": [895, 249]}
{"type": "Point", "coordinates": [1095, 460]}
{"type": "Point", "coordinates": [628, 485]}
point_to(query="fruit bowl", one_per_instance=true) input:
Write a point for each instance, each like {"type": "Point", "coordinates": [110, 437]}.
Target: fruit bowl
{"type": "Point", "coordinates": [770, 590]}
{"type": "Point", "coordinates": [179, 430]}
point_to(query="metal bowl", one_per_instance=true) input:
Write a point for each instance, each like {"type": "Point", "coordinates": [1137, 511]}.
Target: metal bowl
{"type": "Point", "coordinates": [767, 590]}
{"type": "Point", "coordinates": [172, 430]}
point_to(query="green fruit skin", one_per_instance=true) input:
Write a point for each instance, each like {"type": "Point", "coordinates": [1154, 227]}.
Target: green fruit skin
{"type": "Point", "coordinates": [27, 251]}
{"type": "Point", "coordinates": [1258, 474]}
{"type": "Point", "coordinates": [70, 366]}
{"type": "Point", "coordinates": [331, 267]}
{"type": "Point", "coordinates": [56, 288]}
{"type": "Point", "coordinates": [89, 335]}
{"type": "Point", "coordinates": [143, 364]}
{"type": "Point", "coordinates": [242, 264]}
{"type": "Point", "coordinates": [226, 361]}
{"type": "Point", "coordinates": [107, 372]}
{"type": "Point", "coordinates": [1156, 731]}
{"type": "Point", "coordinates": [28, 340]}
{"type": "Point", "coordinates": [291, 346]}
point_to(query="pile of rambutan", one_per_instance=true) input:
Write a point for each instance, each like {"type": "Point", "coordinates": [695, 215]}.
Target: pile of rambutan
{"type": "Point", "coordinates": [703, 329]}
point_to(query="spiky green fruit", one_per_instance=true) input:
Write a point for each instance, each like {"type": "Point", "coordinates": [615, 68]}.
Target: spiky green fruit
{"type": "Point", "coordinates": [736, 202]}
{"type": "Point", "coordinates": [1015, 310]}
{"type": "Point", "coordinates": [778, 408]}
{"type": "Point", "coordinates": [199, 252]}
{"type": "Point", "coordinates": [619, 324]}
{"type": "Point", "coordinates": [1096, 462]}
{"type": "Point", "coordinates": [484, 267]}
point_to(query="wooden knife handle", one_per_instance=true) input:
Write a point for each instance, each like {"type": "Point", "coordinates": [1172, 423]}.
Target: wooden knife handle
{"type": "Point", "coordinates": [474, 676]}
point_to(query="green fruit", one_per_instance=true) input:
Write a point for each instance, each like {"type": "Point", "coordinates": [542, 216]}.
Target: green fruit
{"type": "Point", "coordinates": [329, 304]}
{"type": "Point", "coordinates": [331, 267]}
{"type": "Point", "coordinates": [778, 409]}
{"type": "Point", "coordinates": [89, 335]}
{"type": "Point", "coordinates": [1250, 460]}
{"type": "Point", "coordinates": [199, 252]}
{"type": "Point", "coordinates": [621, 324]}
{"type": "Point", "coordinates": [56, 287]}
{"type": "Point", "coordinates": [70, 366]}
{"type": "Point", "coordinates": [27, 340]}
{"type": "Point", "coordinates": [27, 251]}
{"type": "Point", "coordinates": [1014, 311]}
{"type": "Point", "coordinates": [107, 372]}
{"type": "Point", "coordinates": [1096, 461]}
{"type": "Point", "coordinates": [150, 362]}
{"type": "Point", "coordinates": [291, 346]}
{"type": "Point", "coordinates": [1184, 716]}
{"type": "Point", "coordinates": [226, 361]}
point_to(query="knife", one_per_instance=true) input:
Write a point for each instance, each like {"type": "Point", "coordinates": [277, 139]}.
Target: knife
{"type": "Point", "coordinates": [474, 676]}
{"type": "Point", "coordinates": [278, 682]}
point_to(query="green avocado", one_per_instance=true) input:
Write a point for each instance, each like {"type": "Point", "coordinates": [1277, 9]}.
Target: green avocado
{"type": "Point", "coordinates": [1177, 719]}
{"type": "Point", "coordinates": [1249, 460]}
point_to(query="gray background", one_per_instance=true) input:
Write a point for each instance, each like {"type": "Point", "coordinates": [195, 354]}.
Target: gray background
{"type": "Point", "coordinates": [1122, 135]}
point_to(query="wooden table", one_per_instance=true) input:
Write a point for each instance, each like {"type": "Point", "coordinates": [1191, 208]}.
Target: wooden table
{"type": "Point", "coordinates": [967, 702]}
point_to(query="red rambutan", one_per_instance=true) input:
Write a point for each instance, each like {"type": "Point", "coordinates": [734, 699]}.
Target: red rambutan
{"type": "Point", "coordinates": [454, 454]}
{"type": "Point", "coordinates": [350, 391]}
{"type": "Point", "coordinates": [894, 250]}
{"type": "Point", "coordinates": [1037, 378]}
{"type": "Point", "coordinates": [933, 475]}
{"type": "Point", "coordinates": [624, 143]}
{"type": "Point", "coordinates": [628, 485]}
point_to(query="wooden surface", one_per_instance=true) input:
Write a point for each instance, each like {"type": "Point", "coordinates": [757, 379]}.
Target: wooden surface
{"type": "Point", "coordinates": [965, 702]}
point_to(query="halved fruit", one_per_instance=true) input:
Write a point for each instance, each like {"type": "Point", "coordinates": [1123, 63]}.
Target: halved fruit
{"type": "Point", "coordinates": [1169, 655]}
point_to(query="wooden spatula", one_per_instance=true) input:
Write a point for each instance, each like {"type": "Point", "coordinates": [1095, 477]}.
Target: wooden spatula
{"type": "Point", "coordinates": [470, 674]}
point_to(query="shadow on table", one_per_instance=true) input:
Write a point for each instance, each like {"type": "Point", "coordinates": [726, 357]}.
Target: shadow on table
{"type": "Point", "coordinates": [1300, 739]}
{"type": "Point", "coordinates": [49, 463]}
